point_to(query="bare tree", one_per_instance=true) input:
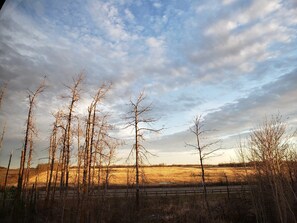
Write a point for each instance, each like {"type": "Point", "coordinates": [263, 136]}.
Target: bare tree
{"type": "Point", "coordinates": [2, 136]}
{"type": "Point", "coordinates": [29, 129]}
{"type": "Point", "coordinates": [138, 118]}
{"type": "Point", "coordinates": [27, 173]}
{"type": "Point", "coordinates": [205, 150]}
{"type": "Point", "coordinates": [268, 148]}
{"type": "Point", "coordinates": [91, 125]}
{"type": "Point", "coordinates": [109, 159]}
{"type": "Point", "coordinates": [100, 143]}
{"type": "Point", "coordinates": [52, 154]}
{"type": "Point", "coordinates": [5, 181]}
{"type": "Point", "coordinates": [75, 96]}
{"type": "Point", "coordinates": [2, 93]}
{"type": "Point", "coordinates": [79, 157]}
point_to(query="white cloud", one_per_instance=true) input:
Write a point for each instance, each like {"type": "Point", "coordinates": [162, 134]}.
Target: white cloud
{"type": "Point", "coordinates": [239, 41]}
{"type": "Point", "coordinates": [157, 5]}
{"type": "Point", "coordinates": [228, 2]}
{"type": "Point", "coordinates": [129, 15]}
{"type": "Point", "coordinates": [154, 42]}
{"type": "Point", "coordinates": [107, 18]}
{"type": "Point", "coordinates": [259, 9]}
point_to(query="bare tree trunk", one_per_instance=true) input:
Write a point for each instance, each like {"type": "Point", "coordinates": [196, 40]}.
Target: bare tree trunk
{"type": "Point", "coordinates": [6, 176]}
{"type": "Point", "coordinates": [135, 118]}
{"type": "Point", "coordinates": [29, 126]}
{"type": "Point", "coordinates": [87, 154]}
{"type": "Point", "coordinates": [99, 168]}
{"type": "Point", "coordinates": [79, 158]}
{"type": "Point", "coordinates": [27, 175]}
{"type": "Point", "coordinates": [23, 158]}
{"type": "Point", "coordinates": [52, 151]}
{"type": "Point", "coordinates": [56, 179]}
{"type": "Point", "coordinates": [74, 98]}
{"type": "Point", "coordinates": [204, 151]}
{"type": "Point", "coordinates": [2, 92]}
{"type": "Point", "coordinates": [136, 157]}
{"type": "Point", "coordinates": [92, 126]}
{"type": "Point", "coordinates": [2, 136]}
{"type": "Point", "coordinates": [203, 182]}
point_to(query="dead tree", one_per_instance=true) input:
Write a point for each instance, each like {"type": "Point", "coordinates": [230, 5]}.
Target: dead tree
{"type": "Point", "coordinates": [205, 150]}
{"type": "Point", "coordinates": [268, 147]}
{"type": "Point", "coordinates": [97, 99]}
{"type": "Point", "coordinates": [87, 152]}
{"type": "Point", "coordinates": [2, 92]}
{"type": "Point", "coordinates": [138, 118]}
{"type": "Point", "coordinates": [29, 129]}
{"type": "Point", "coordinates": [27, 174]}
{"type": "Point", "coordinates": [90, 135]}
{"type": "Point", "coordinates": [75, 95]}
{"type": "Point", "coordinates": [99, 145]}
{"type": "Point", "coordinates": [2, 135]}
{"type": "Point", "coordinates": [6, 176]}
{"type": "Point", "coordinates": [79, 158]}
{"type": "Point", "coordinates": [52, 154]}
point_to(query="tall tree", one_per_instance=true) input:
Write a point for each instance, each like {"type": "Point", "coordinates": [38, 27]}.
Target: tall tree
{"type": "Point", "coordinates": [139, 119]}
{"type": "Point", "coordinates": [205, 150]}
{"type": "Point", "coordinates": [52, 154]}
{"type": "Point", "coordinates": [29, 128]}
{"type": "Point", "coordinates": [74, 97]}
{"type": "Point", "coordinates": [2, 93]}
{"type": "Point", "coordinates": [91, 125]}
{"type": "Point", "coordinates": [6, 176]}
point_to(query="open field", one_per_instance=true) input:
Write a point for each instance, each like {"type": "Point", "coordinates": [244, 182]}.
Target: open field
{"type": "Point", "coordinates": [153, 175]}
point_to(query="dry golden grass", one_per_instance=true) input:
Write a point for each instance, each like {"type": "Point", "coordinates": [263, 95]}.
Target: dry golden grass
{"type": "Point", "coordinates": [154, 175]}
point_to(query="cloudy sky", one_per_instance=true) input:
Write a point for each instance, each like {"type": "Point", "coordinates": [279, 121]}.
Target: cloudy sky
{"type": "Point", "coordinates": [231, 61]}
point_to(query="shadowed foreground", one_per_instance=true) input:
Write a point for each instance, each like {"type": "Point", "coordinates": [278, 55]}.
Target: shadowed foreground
{"type": "Point", "coordinates": [233, 207]}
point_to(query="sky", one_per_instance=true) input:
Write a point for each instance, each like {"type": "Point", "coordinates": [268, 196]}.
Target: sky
{"type": "Point", "coordinates": [231, 61]}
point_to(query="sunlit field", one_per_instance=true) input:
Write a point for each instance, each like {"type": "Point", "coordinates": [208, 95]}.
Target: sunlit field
{"type": "Point", "coordinates": [151, 175]}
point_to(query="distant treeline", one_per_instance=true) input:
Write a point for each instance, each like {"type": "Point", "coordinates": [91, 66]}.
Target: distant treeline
{"type": "Point", "coordinates": [45, 166]}
{"type": "Point", "coordinates": [250, 164]}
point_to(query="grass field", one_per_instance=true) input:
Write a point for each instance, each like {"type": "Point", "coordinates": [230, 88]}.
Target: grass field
{"type": "Point", "coordinates": [150, 175]}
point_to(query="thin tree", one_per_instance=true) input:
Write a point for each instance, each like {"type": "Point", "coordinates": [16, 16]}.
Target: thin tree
{"type": "Point", "coordinates": [99, 96]}
{"type": "Point", "coordinates": [2, 93]}
{"type": "Point", "coordinates": [6, 176]}
{"type": "Point", "coordinates": [52, 154]}
{"type": "Point", "coordinates": [138, 118]}
{"type": "Point", "coordinates": [90, 135]}
{"type": "Point", "coordinates": [75, 96]}
{"type": "Point", "coordinates": [205, 150]}
{"type": "Point", "coordinates": [99, 144]}
{"type": "Point", "coordinates": [27, 174]}
{"type": "Point", "coordinates": [2, 135]}
{"type": "Point", "coordinates": [29, 125]}
{"type": "Point", "coordinates": [79, 158]}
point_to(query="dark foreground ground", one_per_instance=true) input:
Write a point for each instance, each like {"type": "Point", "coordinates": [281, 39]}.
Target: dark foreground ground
{"type": "Point", "coordinates": [223, 207]}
